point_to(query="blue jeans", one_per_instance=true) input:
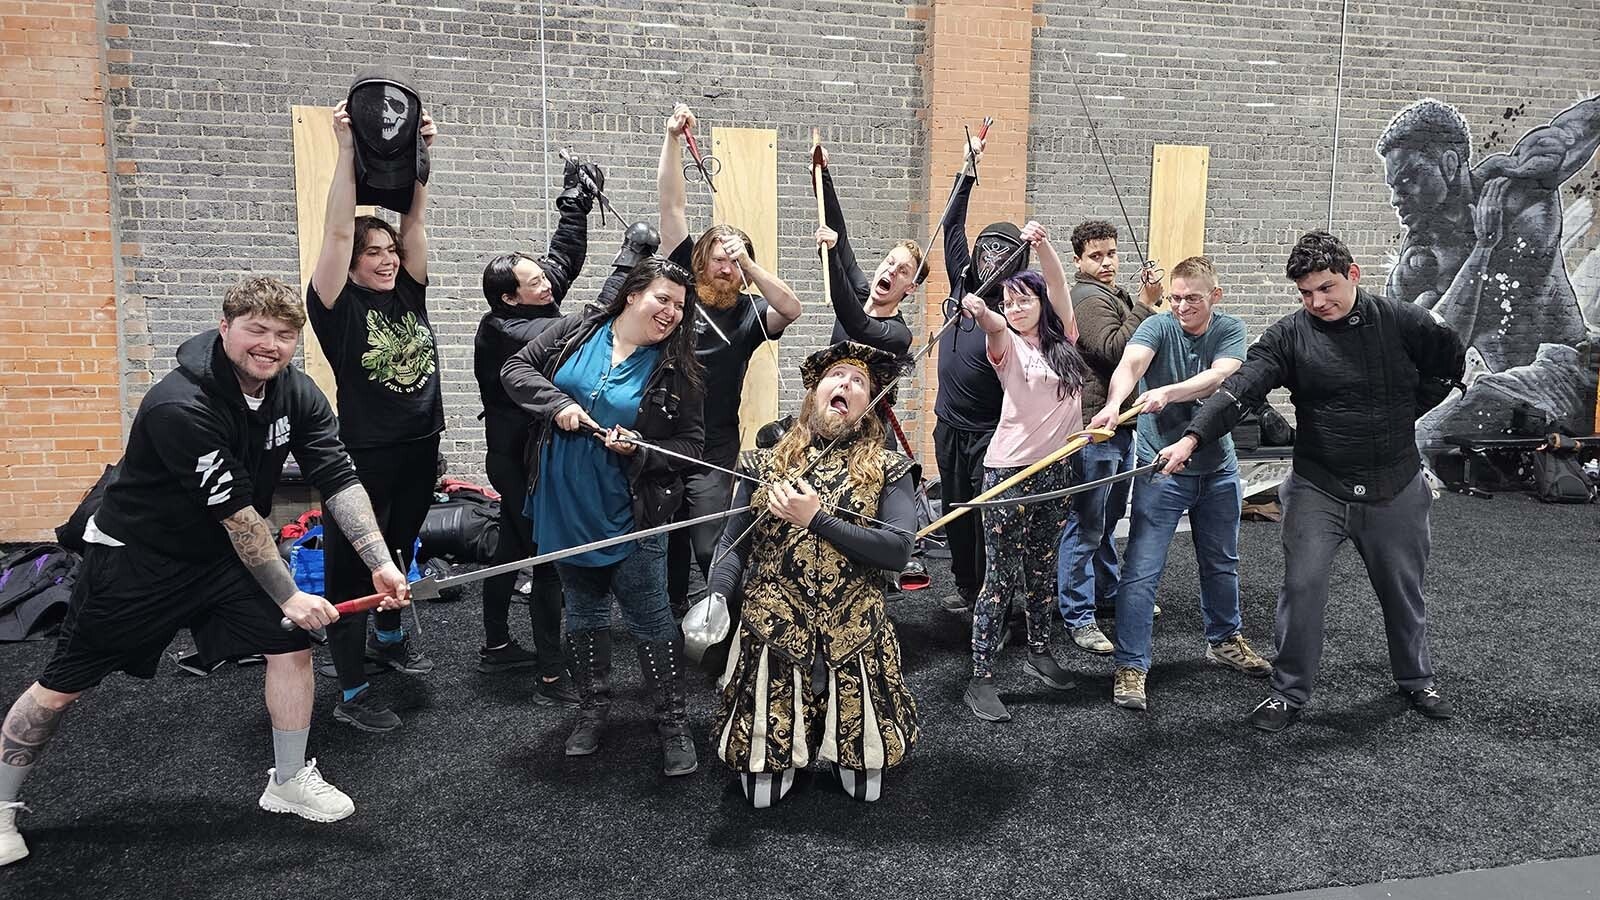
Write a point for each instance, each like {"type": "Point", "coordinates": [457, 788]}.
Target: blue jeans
{"type": "Point", "coordinates": [1086, 563]}
{"type": "Point", "coordinates": [1213, 501]}
{"type": "Point", "coordinates": [638, 581]}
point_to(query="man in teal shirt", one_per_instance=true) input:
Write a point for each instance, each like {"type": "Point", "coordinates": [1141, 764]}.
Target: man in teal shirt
{"type": "Point", "coordinates": [1178, 359]}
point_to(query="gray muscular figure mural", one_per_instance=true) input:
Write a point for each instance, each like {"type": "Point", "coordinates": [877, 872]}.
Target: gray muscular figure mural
{"type": "Point", "coordinates": [1483, 250]}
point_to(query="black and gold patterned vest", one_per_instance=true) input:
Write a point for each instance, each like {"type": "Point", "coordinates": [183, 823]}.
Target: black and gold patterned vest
{"type": "Point", "coordinates": [802, 596]}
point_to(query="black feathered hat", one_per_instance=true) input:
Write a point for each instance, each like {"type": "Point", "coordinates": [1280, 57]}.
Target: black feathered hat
{"type": "Point", "coordinates": [882, 368]}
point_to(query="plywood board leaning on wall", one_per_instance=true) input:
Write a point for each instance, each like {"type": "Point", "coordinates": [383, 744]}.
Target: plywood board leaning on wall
{"type": "Point", "coordinates": [315, 153]}
{"type": "Point", "coordinates": [747, 198]}
{"type": "Point", "coordinates": [1178, 174]}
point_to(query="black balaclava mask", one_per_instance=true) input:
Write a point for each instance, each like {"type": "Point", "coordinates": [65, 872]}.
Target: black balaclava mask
{"type": "Point", "coordinates": [386, 121]}
{"type": "Point", "coordinates": [990, 254]}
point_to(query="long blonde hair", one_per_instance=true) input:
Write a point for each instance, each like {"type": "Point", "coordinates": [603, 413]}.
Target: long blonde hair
{"type": "Point", "coordinates": [864, 462]}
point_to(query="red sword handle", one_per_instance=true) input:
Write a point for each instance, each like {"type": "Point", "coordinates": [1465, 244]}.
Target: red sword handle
{"type": "Point", "coordinates": [360, 604]}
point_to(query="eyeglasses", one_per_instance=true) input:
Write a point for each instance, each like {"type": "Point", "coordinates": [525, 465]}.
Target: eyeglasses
{"type": "Point", "coordinates": [1176, 300]}
{"type": "Point", "coordinates": [1019, 303]}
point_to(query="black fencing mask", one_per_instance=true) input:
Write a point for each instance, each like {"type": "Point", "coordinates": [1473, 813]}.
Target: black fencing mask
{"type": "Point", "coordinates": [995, 253]}
{"type": "Point", "coordinates": [386, 120]}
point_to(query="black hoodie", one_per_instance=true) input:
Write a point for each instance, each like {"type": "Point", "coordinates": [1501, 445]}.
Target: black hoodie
{"type": "Point", "coordinates": [197, 454]}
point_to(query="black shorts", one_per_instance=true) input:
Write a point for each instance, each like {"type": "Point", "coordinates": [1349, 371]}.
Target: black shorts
{"type": "Point", "coordinates": [128, 603]}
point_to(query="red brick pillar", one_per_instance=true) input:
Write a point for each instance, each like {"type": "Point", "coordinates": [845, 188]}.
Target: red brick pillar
{"type": "Point", "coordinates": [60, 397]}
{"type": "Point", "coordinates": [979, 63]}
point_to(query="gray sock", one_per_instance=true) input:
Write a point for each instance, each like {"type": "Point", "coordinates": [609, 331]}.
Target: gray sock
{"type": "Point", "coordinates": [11, 778]}
{"type": "Point", "coordinates": [289, 751]}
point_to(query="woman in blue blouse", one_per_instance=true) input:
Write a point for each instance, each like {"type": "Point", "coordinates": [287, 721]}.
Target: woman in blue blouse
{"type": "Point", "coordinates": [599, 377]}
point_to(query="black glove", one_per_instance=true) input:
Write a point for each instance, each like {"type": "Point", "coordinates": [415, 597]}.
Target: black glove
{"type": "Point", "coordinates": [574, 187]}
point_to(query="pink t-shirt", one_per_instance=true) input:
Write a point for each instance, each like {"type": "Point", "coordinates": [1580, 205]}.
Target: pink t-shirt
{"type": "Point", "coordinates": [1034, 422]}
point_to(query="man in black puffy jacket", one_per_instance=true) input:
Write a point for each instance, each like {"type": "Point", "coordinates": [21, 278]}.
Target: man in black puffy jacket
{"type": "Point", "coordinates": [524, 296]}
{"type": "Point", "coordinates": [1360, 369]}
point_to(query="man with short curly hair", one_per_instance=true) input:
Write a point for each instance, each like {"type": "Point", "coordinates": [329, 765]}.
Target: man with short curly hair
{"type": "Point", "coordinates": [180, 541]}
{"type": "Point", "coordinates": [1086, 564]}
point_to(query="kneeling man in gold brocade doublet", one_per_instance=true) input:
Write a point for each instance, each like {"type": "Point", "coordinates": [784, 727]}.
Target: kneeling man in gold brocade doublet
{"type": "Point", "coordinates": [814, 671]}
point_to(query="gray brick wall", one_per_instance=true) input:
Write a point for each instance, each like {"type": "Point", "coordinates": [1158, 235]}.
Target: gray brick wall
{"type": "Point", "coordinates": [205, 122]}
{"type": "Point", "coordinates": [1256, 81]}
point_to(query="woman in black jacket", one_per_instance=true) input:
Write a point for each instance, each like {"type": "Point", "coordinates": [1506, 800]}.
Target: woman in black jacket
{"type": "Point", "coordinates": [602, 376]}
{"type": "Point", "coordinates": [524, 296]}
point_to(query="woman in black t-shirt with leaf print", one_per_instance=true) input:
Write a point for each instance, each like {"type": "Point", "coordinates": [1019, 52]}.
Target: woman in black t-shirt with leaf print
{"type": "Point", "coordinates": [367, 305]}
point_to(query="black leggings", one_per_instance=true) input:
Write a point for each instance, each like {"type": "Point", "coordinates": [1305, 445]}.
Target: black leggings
{"type": "Point", "coordinates": [509, 476]}
{"type": "Point", "coordinates": [399, 479]}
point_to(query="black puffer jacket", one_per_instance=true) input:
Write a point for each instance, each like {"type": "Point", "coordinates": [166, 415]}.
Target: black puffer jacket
{"type": "Point", "coordinates": [1358, 386]}
{"type": "Point", "coordinates": [505, 328]}
{"type": "Point", "coordinates": [671, 415]}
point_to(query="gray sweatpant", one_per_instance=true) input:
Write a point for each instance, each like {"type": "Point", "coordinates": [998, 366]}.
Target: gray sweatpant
{"type": "Point", "coordinates": [1392, 538]}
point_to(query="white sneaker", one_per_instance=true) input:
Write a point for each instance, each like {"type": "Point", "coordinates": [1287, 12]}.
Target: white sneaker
{"type": "Point", "coordinates": [12, 847]}
{"type": "Point", "coordinates": [307, 796]}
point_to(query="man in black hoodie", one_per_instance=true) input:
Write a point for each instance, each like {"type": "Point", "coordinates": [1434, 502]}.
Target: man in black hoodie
{"type": "Point", "coordinates": [180, 541]}
{"type": "Point", "coordinates": [524, 296]}
{"type": "Point", "coordinates": [1360, 369]}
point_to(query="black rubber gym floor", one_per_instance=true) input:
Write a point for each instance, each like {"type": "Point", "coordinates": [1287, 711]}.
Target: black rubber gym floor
{"type": "Point", "coordinates": [150, 788]}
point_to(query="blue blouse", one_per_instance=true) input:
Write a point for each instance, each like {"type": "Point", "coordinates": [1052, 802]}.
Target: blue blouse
{"type": "Point", "coordinates": [583, 491]}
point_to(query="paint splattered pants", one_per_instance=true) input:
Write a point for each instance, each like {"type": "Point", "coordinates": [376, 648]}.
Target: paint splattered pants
{"type": "Point", "coordinates": [1020, 545]}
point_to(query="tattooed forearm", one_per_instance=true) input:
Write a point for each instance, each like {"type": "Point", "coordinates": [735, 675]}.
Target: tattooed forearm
{"type": "Point", "coordinates": [351, 509]}
{"type": "Point", "coordinates": [27, 729]}
{"type": "Point", "coordinates": [252, 540]}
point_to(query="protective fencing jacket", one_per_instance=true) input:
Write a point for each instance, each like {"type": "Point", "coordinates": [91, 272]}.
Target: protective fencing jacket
{"type": "Point", "coordinates": [1358, 386]}
{"type": "Point", "coordinates": [197, 454]}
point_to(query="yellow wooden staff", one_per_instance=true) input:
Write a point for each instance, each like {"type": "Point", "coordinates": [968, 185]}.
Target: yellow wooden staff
{"type": "Point", "coordinates": [1073, 445]}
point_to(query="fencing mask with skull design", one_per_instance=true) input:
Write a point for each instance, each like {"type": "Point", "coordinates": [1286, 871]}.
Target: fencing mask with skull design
{"type": "Point", "coordinates": [386, 121]}
{"type": "Point", "coordinates": [995, 252]}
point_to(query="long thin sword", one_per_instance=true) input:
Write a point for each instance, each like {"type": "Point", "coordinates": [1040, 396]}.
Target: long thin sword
{"type": "Point", "coordinates": [1064, 492]}
{"type": "Point", "coordinates": [646, 445]}
{"type": "Point", "coordinates": [429, 588]}
{"type": "Point", "coordinates": [1094, 133]}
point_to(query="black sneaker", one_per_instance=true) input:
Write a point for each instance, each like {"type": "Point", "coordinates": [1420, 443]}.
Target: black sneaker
{"type": "Point", "coordinates": [1273, 714]}
{"type": "Point", "coordinates": [1044, 667]}
{"type": "Point", "coordinates": [985, 700]}
{"type": "Point", "coordinates": [401, 656]}
{"type": "Point", "coordinates": [556, 693]}
{"type": "Point", "coordinates": [506, 659]}
{"type": "Point", "coordinates": [363, 713]}
{"type": "Point", "coordinates": [958, 604]}
{"type": "Point", "coordinates": [1428, 702]}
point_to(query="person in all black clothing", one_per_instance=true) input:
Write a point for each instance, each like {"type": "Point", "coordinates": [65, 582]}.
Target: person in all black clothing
{"type": "Point", "coordinates": [731, 326]}
{"type": "Point", "coordinates": [968, 403]}
{"type": "Point", "coordinates": [179, 540]}
{"type": "Point", "coordinates": [868, 312]}
{"type": "Point", "coordinates": [1360, 370]}
{"type": "Point", "coordinates": [524, 296]}
{"type": "Point", "coordinates": [367, 305]}
{"type": "Point", "coordinates": [600, 378]}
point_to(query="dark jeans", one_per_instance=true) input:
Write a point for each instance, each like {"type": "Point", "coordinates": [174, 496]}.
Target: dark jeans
{"type": "Point", "coordinates": [1086, 566]}
{"type": "Point", "coordinates": [1392, 538]}
{"type": "Point", "coordinates": [399, 479]}
{"type": "Point", "coordinates": [960, 456]}
{"type": "Point", "coordinates": [637, 581]}
{"type": "Point", "coordinates": [509, 476]}
{"type": "Point", "coordinates": [705, 491]}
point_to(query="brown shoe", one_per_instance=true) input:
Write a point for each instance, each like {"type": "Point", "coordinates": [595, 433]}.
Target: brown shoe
{"type": "Point", "coordinates": [1127, 688]}
{"type": "Point", "coordinates": [1236, 654]}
